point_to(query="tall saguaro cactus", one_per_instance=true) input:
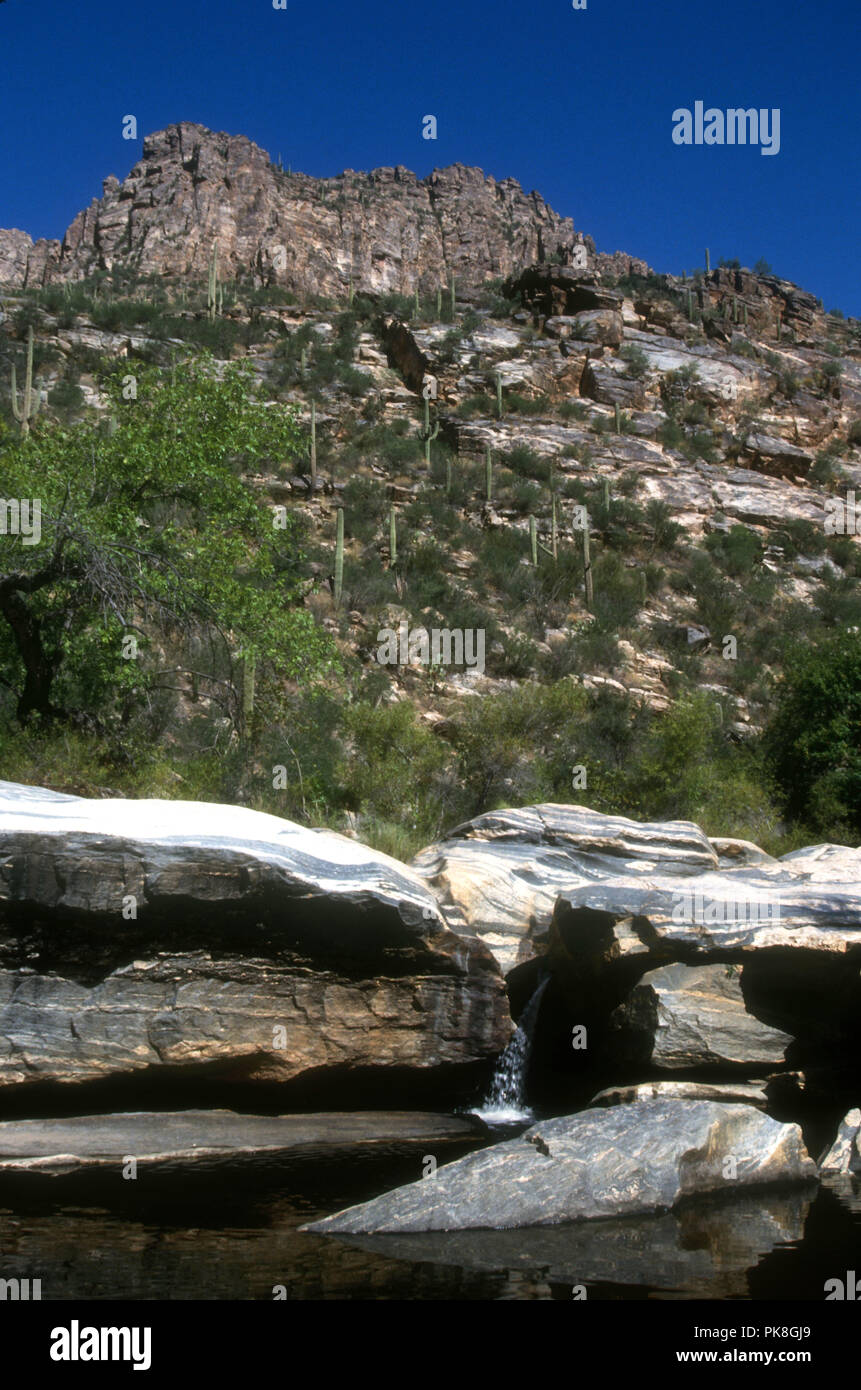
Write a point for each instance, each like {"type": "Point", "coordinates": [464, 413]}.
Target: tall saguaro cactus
{"type": "Point", "coordinates": [215, 297]}
{"type": "Point", "coordinates": [393, 537]}
{"type": "Point", "coordinates": [249, 676]}
{"type": "Point", "coordinates": [533, 540]}
{"type": "Point", "coordinates": [587, 566]}
{"type": "Point", "coordinates": [313, 441]}
{"type": "Point", "coordinates": [428, 432]}
{"type": "Point", "coordinates": [30, 398]}
{"type": "Point", "coordinates": [339, 555]}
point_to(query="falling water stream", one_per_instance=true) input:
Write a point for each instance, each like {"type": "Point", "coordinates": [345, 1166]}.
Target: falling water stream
{"type": "Point", "coordinates": [506, 1100]}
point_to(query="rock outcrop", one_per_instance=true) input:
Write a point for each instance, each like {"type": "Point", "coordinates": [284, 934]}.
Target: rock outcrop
{"type": "Point", "coordinates": [601, 1163]}
{"type": "Point", "coordinates": [214, 940]}
{"type": "Point", "coordinates": [498, 877]}
{"type": "Point", "coordinates": [383, 230]}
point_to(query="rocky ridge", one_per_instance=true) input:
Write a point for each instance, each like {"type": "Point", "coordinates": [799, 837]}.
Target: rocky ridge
{"type": "Point", "coordinates": [194, 188]}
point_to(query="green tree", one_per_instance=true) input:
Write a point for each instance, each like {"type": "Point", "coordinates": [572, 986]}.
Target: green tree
{"type": "Point", "coordinates": [813, 741]}
{"type": "Point", "coordinates": [150, 531]}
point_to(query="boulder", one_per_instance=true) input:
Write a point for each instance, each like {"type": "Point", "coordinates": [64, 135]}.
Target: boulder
{"type": "Point", "coordinates": [844, 1156]}
{"type": "Point", "coordinates": [497, 877]}
{"type": "Point", "coordinates": [682, 1017]}
{"type": "Point", "coordinates": [600, 1163]}
{"type": "Point", "coordinates": [603, 326]}
{"type": "Point", "coordinates": [608, 384]}
{"type": "Point", "coordinates": [701, 1252]}
{"type": "Point", "coordinates": [214, 941]}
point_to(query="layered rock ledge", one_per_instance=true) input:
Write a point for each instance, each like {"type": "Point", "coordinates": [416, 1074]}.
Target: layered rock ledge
{"type": "Point", "coordinates": [139, 935]}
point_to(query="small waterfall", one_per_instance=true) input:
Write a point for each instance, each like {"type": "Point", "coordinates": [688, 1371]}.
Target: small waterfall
{"type": "Point", "coordinates": [506, 1099]}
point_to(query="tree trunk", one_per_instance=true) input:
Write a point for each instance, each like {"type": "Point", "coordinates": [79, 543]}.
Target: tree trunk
{"type": "Point", "coordinates": [39, 669]}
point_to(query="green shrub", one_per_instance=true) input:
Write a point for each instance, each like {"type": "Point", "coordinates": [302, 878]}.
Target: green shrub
{"type": "Point", "coordinates": [812, 741]}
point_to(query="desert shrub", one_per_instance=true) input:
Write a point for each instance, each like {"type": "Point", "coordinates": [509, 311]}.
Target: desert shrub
{"type": "Point", "coordinates": [736, 551]}
{"type": "Point", "coordinates": [638, 362]}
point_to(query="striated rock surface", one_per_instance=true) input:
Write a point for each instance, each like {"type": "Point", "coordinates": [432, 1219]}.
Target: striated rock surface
{"type": "Point", "coordinates": [600, 1163]}
{"type": "Point", "coordinates": [498, 877]}
{"type": "Point", "coordinates": [683, 1017]}
{"type": "Point", "coordinates": [844, 1156]}
{"type": "Point", "coordinates": [141, 935]}
{"type": "Point", "coordinates": [705, 1252]}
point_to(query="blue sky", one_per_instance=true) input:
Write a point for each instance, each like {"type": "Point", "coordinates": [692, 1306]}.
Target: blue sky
{"type": "Point", "coordinates": [574, 103]}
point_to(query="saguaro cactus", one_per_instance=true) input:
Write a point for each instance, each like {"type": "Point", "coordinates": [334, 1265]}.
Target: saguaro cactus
{"type": "Point", "coordinates": [313, 441]}
{"type": "Point", "coordinates": [214, 298]}
{"type": "Point", "coordinates": [708, 262]}
{"type": "Point", "coordinates": [30, 399]}
{"type": "Point", "coordinates": [393, 537]}
{"type": "Point", "coordinates": [554, 529]}
{"type": "Point", "coordinates": [453, 305]}
{"type": "Point", "coordinates": [339, 555]}
{"type": "Point", "coordinates": [428, 432]}
{"type": "Point", "coordinates": [249, 674]}
{"type": "Point", "coordinates": [587, 566]}
{"type": "Point", "coordinates": [533, 539]}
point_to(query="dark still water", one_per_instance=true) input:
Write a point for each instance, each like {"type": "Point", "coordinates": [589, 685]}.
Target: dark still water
{"type": "Point", "coordinates": [232, 1234]}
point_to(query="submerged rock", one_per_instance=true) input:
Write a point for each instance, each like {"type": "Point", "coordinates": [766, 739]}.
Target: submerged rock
{"type": "Point", "coordinates": [599, 1163]}
{"type": "Point", "coordinates": [702, 1250]}
{"type": "Point", "coordinates": [206, 1138]}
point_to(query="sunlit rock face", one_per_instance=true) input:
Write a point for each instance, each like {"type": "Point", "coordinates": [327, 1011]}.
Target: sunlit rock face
{"type": "Point", "coordinates": [600, 1163]}
{"type": "Point", "coordinates": [138, 936]}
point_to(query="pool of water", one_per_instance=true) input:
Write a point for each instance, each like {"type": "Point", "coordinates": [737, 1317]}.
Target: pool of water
{"type": "Point", "coordinates": [234, 1234]}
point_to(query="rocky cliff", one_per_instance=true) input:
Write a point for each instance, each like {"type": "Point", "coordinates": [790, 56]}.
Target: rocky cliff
{"type": "Point", "coordinates": [383, 230]}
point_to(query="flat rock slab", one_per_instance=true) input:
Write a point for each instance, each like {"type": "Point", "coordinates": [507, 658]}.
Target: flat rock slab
{"type": "Point", "coordinates": [60, 1147]}
{"type": "Point", "coordinates": [734, 1092]}
{"type": "Point", "coordinates": [596, 1164]}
